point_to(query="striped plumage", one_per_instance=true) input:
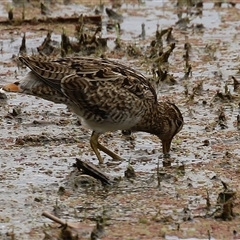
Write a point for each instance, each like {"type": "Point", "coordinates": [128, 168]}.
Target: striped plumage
{"type": "Point", "coordinates": [108, 96]}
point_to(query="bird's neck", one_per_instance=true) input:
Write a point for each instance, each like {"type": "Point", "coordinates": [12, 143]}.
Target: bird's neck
{"type": "Point", "coordinates": [150, 123]}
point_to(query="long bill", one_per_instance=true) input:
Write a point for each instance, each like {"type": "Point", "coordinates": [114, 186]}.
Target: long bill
{"type": "Point", "coordinates": [166, 144]}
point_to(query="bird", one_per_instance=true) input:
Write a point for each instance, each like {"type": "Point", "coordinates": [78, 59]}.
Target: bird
{"type": "Point", "coordinates": [105, 94]}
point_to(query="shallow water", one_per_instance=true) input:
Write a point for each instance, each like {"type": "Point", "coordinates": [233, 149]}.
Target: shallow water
{"type": "Point", "coordinates": [35, 171]}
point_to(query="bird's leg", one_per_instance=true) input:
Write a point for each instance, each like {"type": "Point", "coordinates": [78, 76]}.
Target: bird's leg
{"type": "Point", "coordinates": [108, 152]}
{"type": "Point", "coordinates": [96, 145]}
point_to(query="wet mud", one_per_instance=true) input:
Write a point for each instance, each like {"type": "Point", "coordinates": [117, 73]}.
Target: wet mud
{"type": "Point", "coordinates": [168, 198]}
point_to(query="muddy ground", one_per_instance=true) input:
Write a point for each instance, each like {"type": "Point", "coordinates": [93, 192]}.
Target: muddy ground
{"type": "Point", "coordinates": [192, 195]}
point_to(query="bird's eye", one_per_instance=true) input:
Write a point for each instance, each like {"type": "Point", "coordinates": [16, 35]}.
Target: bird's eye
{"type": "Point", "coordinates": [179, 123]}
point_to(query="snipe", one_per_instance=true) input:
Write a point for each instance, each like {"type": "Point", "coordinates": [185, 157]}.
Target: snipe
{"type": "Point", "coordinates": [107, 95]}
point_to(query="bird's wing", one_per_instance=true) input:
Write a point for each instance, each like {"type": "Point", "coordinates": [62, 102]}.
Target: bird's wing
{"type": "Point", "coordinates": [100, 87]}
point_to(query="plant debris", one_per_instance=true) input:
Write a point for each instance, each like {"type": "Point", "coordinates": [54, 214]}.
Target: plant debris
{"type": "Point", "coordinates": [188, 50]}
{"type": "Point", "coordinates": [93, 171]}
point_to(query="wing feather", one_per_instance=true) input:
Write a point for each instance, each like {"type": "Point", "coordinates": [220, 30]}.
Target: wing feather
{"type": "Point", "coordinates": [104, 88]}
